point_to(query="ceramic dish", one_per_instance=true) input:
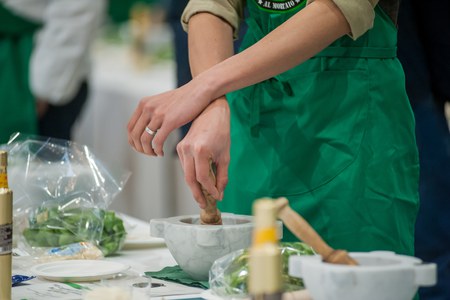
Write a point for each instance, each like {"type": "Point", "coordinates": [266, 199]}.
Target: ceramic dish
{"type": "Point", "coordinates": [140, 242]}
{"type": "Point", "coordinates": [138, 234]}
{"type": "Point", "coordinates": [78, 270]}
{"type": "Point", "coordinates": [140, 238]}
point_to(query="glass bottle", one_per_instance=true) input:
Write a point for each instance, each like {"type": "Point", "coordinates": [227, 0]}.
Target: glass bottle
{"type": "Point", "coordinates": [264, 280]}
{"type": "Point", "coordinates": [5, 229]}
{"type": "Point", "coordinates": [5, 243]}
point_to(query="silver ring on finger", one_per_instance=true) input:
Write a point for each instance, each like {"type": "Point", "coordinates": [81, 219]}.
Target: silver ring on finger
{"type": "Point", "coordinates": [149, 131]}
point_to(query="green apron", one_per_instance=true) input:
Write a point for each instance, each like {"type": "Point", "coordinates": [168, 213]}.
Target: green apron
{"type": "Point", "coordinates": [335, 135]}
{"type": "Point", "coordinates": [17, 105]}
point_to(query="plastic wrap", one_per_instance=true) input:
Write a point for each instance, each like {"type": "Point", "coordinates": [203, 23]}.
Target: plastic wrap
{"type": "Point", "coordinates": [228, 274]}
{"type": "Point", "coordinates": [61, 194]}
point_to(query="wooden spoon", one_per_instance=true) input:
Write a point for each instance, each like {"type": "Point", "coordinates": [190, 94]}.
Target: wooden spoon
{"type": "Point", "coordinates": [210, 215]}
{"type": "Point", "coordinates": [303, 230]}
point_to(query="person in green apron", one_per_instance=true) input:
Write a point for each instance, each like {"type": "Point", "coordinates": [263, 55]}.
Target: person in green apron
{"type": "Point", "coordinates": [17, 104]}
{"type": "Point", "coordinates": [44, 55]}
{"type": "Point", "coordinates": [312, 114]}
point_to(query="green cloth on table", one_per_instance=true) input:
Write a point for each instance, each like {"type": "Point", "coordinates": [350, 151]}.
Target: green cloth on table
{"type": "Point", "coordinates": [175, 274]}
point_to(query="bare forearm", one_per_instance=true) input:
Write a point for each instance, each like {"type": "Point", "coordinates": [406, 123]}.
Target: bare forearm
{"type": "Point", "coordinates": [295, 41]}
{"type": "Point", "coordinates": [210, 42]}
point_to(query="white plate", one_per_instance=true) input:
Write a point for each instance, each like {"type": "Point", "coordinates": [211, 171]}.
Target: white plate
{"type": "Point", "coordinates": [78, 270]}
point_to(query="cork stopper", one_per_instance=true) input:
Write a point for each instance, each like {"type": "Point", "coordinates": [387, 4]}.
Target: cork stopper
{"type": "Point", "coordinates": [3, 158]}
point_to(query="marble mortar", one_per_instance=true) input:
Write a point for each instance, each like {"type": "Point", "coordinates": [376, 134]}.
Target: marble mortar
{"type": "Point", "coordinates": [195, 247]}
{"type": "Point", "coordinates": [379, 275]}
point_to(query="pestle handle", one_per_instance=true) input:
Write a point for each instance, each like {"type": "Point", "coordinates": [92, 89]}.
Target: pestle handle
{"type": "Point", "coordinates": [300, 228]}
{"type": "Point", "coordinates": [210, 215]}
{"type": "Point", "coordinates": [303, 230]}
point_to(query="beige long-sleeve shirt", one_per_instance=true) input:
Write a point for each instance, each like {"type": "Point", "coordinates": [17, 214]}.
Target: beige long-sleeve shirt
{"type": "Point", "coordinates": [359, 13]}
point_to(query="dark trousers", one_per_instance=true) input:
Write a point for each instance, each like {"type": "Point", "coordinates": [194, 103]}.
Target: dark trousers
{"type": "Point", "coordinates": [424, 50]}
{"type": "Point", "coordinates": [58, 120]}
{"type": "Point", "coordinates": [183, 71]}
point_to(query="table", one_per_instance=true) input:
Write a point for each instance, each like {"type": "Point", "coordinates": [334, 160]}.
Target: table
{"type": "Point", "coordinates": [149, 255]}
{"type": "Point", "coordinates": [141, 252]}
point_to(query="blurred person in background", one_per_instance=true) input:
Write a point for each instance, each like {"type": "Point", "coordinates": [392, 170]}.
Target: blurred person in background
{"type": "Point", "coordinates": [45, 63]}
{"type": "Point", "coordinates": [424, 50]}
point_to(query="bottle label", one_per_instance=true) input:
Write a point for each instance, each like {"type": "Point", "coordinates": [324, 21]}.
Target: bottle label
{"type": "Point", "coordinates": [6, 233]}
{"type": "Point", "coordinates": [3, 180]}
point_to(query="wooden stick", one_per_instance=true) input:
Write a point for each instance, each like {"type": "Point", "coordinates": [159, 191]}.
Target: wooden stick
{"type": "Point", "coordinates": [210, 215]}
{"type": "Point", "coordinates": [303, 230]}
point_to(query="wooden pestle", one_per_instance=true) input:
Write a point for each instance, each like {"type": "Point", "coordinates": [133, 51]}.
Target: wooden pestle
{"type": "Point", "coordinates": [210, 215]}
{"type": "Point", "coordinates": [303, 230]}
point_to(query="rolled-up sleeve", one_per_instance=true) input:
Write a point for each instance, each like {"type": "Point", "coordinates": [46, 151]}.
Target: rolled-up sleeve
{"type": "Point", "coordinates": [360, 14]}
{"type": "Point", "coordinates": [230, 11]}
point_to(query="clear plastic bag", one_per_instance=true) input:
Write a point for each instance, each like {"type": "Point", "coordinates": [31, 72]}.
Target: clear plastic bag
{"type": "Point", "coordinates": [228, 275]}
{"type": "Point", "coordinates": [61, 194]}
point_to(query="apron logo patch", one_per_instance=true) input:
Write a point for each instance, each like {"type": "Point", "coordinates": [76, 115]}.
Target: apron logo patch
{"type": "Point", "coordinates": [279, 5]}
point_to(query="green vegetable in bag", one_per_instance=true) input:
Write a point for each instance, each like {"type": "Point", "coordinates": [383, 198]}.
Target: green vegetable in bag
{"type": "Point", "coordinates": [113, 235]}
{"type": "Point", "coordinates": [55, 227]}
{"type": "Point", "coordinates": [229, 274]}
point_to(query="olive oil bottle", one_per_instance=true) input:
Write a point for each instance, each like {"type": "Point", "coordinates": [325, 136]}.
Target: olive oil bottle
{"type": "Point", "coordinates": [5, 230]}
{"type": "Point", "coordinates": [264, 280]}
{"type": "Point", "coordinates": [3, 169]}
